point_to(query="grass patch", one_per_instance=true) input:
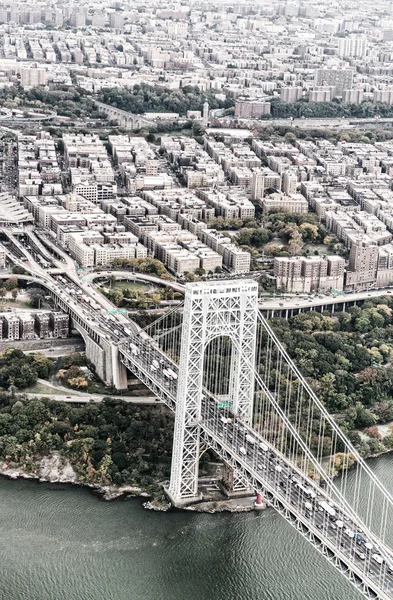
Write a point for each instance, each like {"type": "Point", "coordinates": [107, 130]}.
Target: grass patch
{"type": "Point", "coordinates": [130, 285]}
{"type": "Point", "coordinates": [40, 388]}
{"type": "Point", "coordinates": [14, 304]}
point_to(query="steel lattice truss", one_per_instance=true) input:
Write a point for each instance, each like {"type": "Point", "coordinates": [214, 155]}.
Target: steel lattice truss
{"type": "Point", "coordinates": [273, 406]}
{"type": "Point", "coordinates": [229, 309]}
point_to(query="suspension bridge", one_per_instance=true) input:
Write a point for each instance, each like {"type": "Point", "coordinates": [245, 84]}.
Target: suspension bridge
{"type": "Point", "coordinates": [218, 364]}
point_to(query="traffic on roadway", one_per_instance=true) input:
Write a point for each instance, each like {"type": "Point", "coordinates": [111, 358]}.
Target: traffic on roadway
{"type": "Point", "coordinates": [341, 531]}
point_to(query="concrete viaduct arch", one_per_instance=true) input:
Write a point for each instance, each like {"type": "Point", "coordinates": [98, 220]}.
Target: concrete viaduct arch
{"type": "Point", "coordinates": [125, 119]}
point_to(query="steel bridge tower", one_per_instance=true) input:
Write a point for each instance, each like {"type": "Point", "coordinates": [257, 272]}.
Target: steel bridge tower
{"type": "Point", "coordinates": [211, 310]}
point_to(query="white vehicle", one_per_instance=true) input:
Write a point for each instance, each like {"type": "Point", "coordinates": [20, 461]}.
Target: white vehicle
{"type": "Point", "coordinates": [339, 524]}
{"type": "Point", "coordinates": [250, 439]}
{"type": "Point", "coordinates": [310, 493]}
{"type": "Point", "coordinates": [278, 468]}
{"type": "Point", "coordinates": [308, 506]}
{"type": "Point", "coordinates": [155, 364]}
{"type": "Point", "coordinates": [134, 349]}
{"type": "Point", "coordinates": [172, 374]}
{"type": "Point", "coordinates": [242, 450]}
{"type": "Point", "coordinates": [306, 491]}
{"type": "Point", "coordinates": [360, 554]}
{"type": "Point", "coordinates": [368, 546]}
{"type": "Point", "coordinates": [349, 533]}
{"type": "Point", "coordinates": [263, 447]}
{"type": "Point", "coordinates": [167, 374]}
{"type": "Point", "coordinates": [127, 331]}
{"type": "Point", "coordinates": [378, 559]}
{"type": "Point", "coordinates": [153, 368]}
{"type": "Point", "coordinates": [328, 509]}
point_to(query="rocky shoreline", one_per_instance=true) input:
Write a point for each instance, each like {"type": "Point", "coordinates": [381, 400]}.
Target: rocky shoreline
{"type": "Point", "coordinates": [57, 469]}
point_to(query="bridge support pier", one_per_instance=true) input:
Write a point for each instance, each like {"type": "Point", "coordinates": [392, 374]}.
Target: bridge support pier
{"type": "Point", "coordinates": [233, 484]}
{"type": "Point", "coordinates": [119, 371]}
{"type": "Point", "coordinates": [211, 310]}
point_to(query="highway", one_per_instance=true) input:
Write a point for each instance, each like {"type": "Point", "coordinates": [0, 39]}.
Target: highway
{"type": "Point", "coordinates": [325, 302]}
{"type": "Point", "coordinates": [317, 123]}
{"type": "Point", "coordinates": [285, 486]}
{"type": "Point", "coordinates": [275, 475]}
{"type": "Point", "coordinates": [54, 351]}
{"type": "Point", "coordinates": [73, 398]}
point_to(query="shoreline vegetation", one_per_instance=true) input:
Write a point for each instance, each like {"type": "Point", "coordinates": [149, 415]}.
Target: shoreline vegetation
{"type": "Point", "coordinates": [121, 447]}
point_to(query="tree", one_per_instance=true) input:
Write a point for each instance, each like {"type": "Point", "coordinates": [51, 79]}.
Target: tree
{"type": "Point", "coordinates": [11, 284]}
{"type": "Point", "coordinates": [290, 137]}
{"type": "Point", "coordinates": [295, 243]}
{"type": "Point", "coordinates": [2, 292]}
{"type": "Point", "coordinates": [14, 293]}
{"type": "Point", "coordinates": [78, 382]}
{"type": "Point", "coordinates": [116, 296]}
{"type": "Point", "coordinates": [154, 299]}
{"type": "Point", "coordinates": [309, 232]}
{"type": "Point", "coordinates": [388, 441]}
{"type": "Point", "coordinates": [373, 432]}
{"type": "Point", "coordinates": [343, 461]}
{"type": "Point", "coordinates": [17, 270]}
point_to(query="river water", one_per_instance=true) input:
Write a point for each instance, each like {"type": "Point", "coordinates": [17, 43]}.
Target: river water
{"type": "Point", "coordinates": [63, 543]}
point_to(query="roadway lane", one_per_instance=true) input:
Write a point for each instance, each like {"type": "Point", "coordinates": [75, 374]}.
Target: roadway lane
{"type": "Point", "coordinates": [341, 530]}
{"type": "Point", "coordinates": [301, 302]}
{"type": "Point", "coordinates": [73, 398]}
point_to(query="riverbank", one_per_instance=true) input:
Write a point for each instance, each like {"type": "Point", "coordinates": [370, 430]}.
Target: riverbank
{"type": "Point", "coordinates": [57, 469]}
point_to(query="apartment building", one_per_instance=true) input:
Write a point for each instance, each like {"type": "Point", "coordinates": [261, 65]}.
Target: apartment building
{"type": "Point", "coordinates": [294, 203]}
{"type": "Point", "coordinates": [26, 326]}
{"type": "Point", "coordinates": [309, 274]}
{"type": "Point", "coordinates": [59, 322]}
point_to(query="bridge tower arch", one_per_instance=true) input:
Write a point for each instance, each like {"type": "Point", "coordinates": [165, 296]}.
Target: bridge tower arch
{"type": "Point", "coordinates": [211, 309]}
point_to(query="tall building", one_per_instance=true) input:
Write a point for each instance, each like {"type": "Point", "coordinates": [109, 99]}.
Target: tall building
{"type": "Point", "coordinates": [264, 179]}
{"type": "Point", "coordinates": [42, 325]}
{"type": "Point", "coordinates": [249, 108]}
{"type": "Point", "coordinates": [257, 184]}
{"type": "Point", "coordinates": [363, 262]}
{"type": "Point", "coordinates": [291, 93]}
{"type": "Point", "coordinates": [116, 20]}
{"type": "Point", "coordinates": [353, 46]}
{"type": "Point", "coordinates": [385, 95]}
{"type": "Point", "coordinates": [309, 274]}
{"type": "Point", "coordinates": [353, 96]}
{"type": "Point", "coordinates": [289, 182]}
{"type": "Point", "coordinates": [2, 257]}
{"type": "Point", "coordinates": [320, 94]}
{"type": "Point", "coordinates": [339, 79]}
{"type": "Point", "coordinates": [26, 326]}
{"type": "Point", "coordinates": [11, 327]}
{"type": "Point", "coordinates": [205, 117]}
{"type": "Point", "coordinates": [33, 76]}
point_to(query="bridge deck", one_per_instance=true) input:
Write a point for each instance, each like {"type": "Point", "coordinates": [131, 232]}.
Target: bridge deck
{"type": "Point", "coordinates": [290, 492]}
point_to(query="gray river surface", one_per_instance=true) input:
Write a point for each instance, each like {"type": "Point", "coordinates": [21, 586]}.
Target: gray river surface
{"type": "Point", "coordinates": [63, 543]}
